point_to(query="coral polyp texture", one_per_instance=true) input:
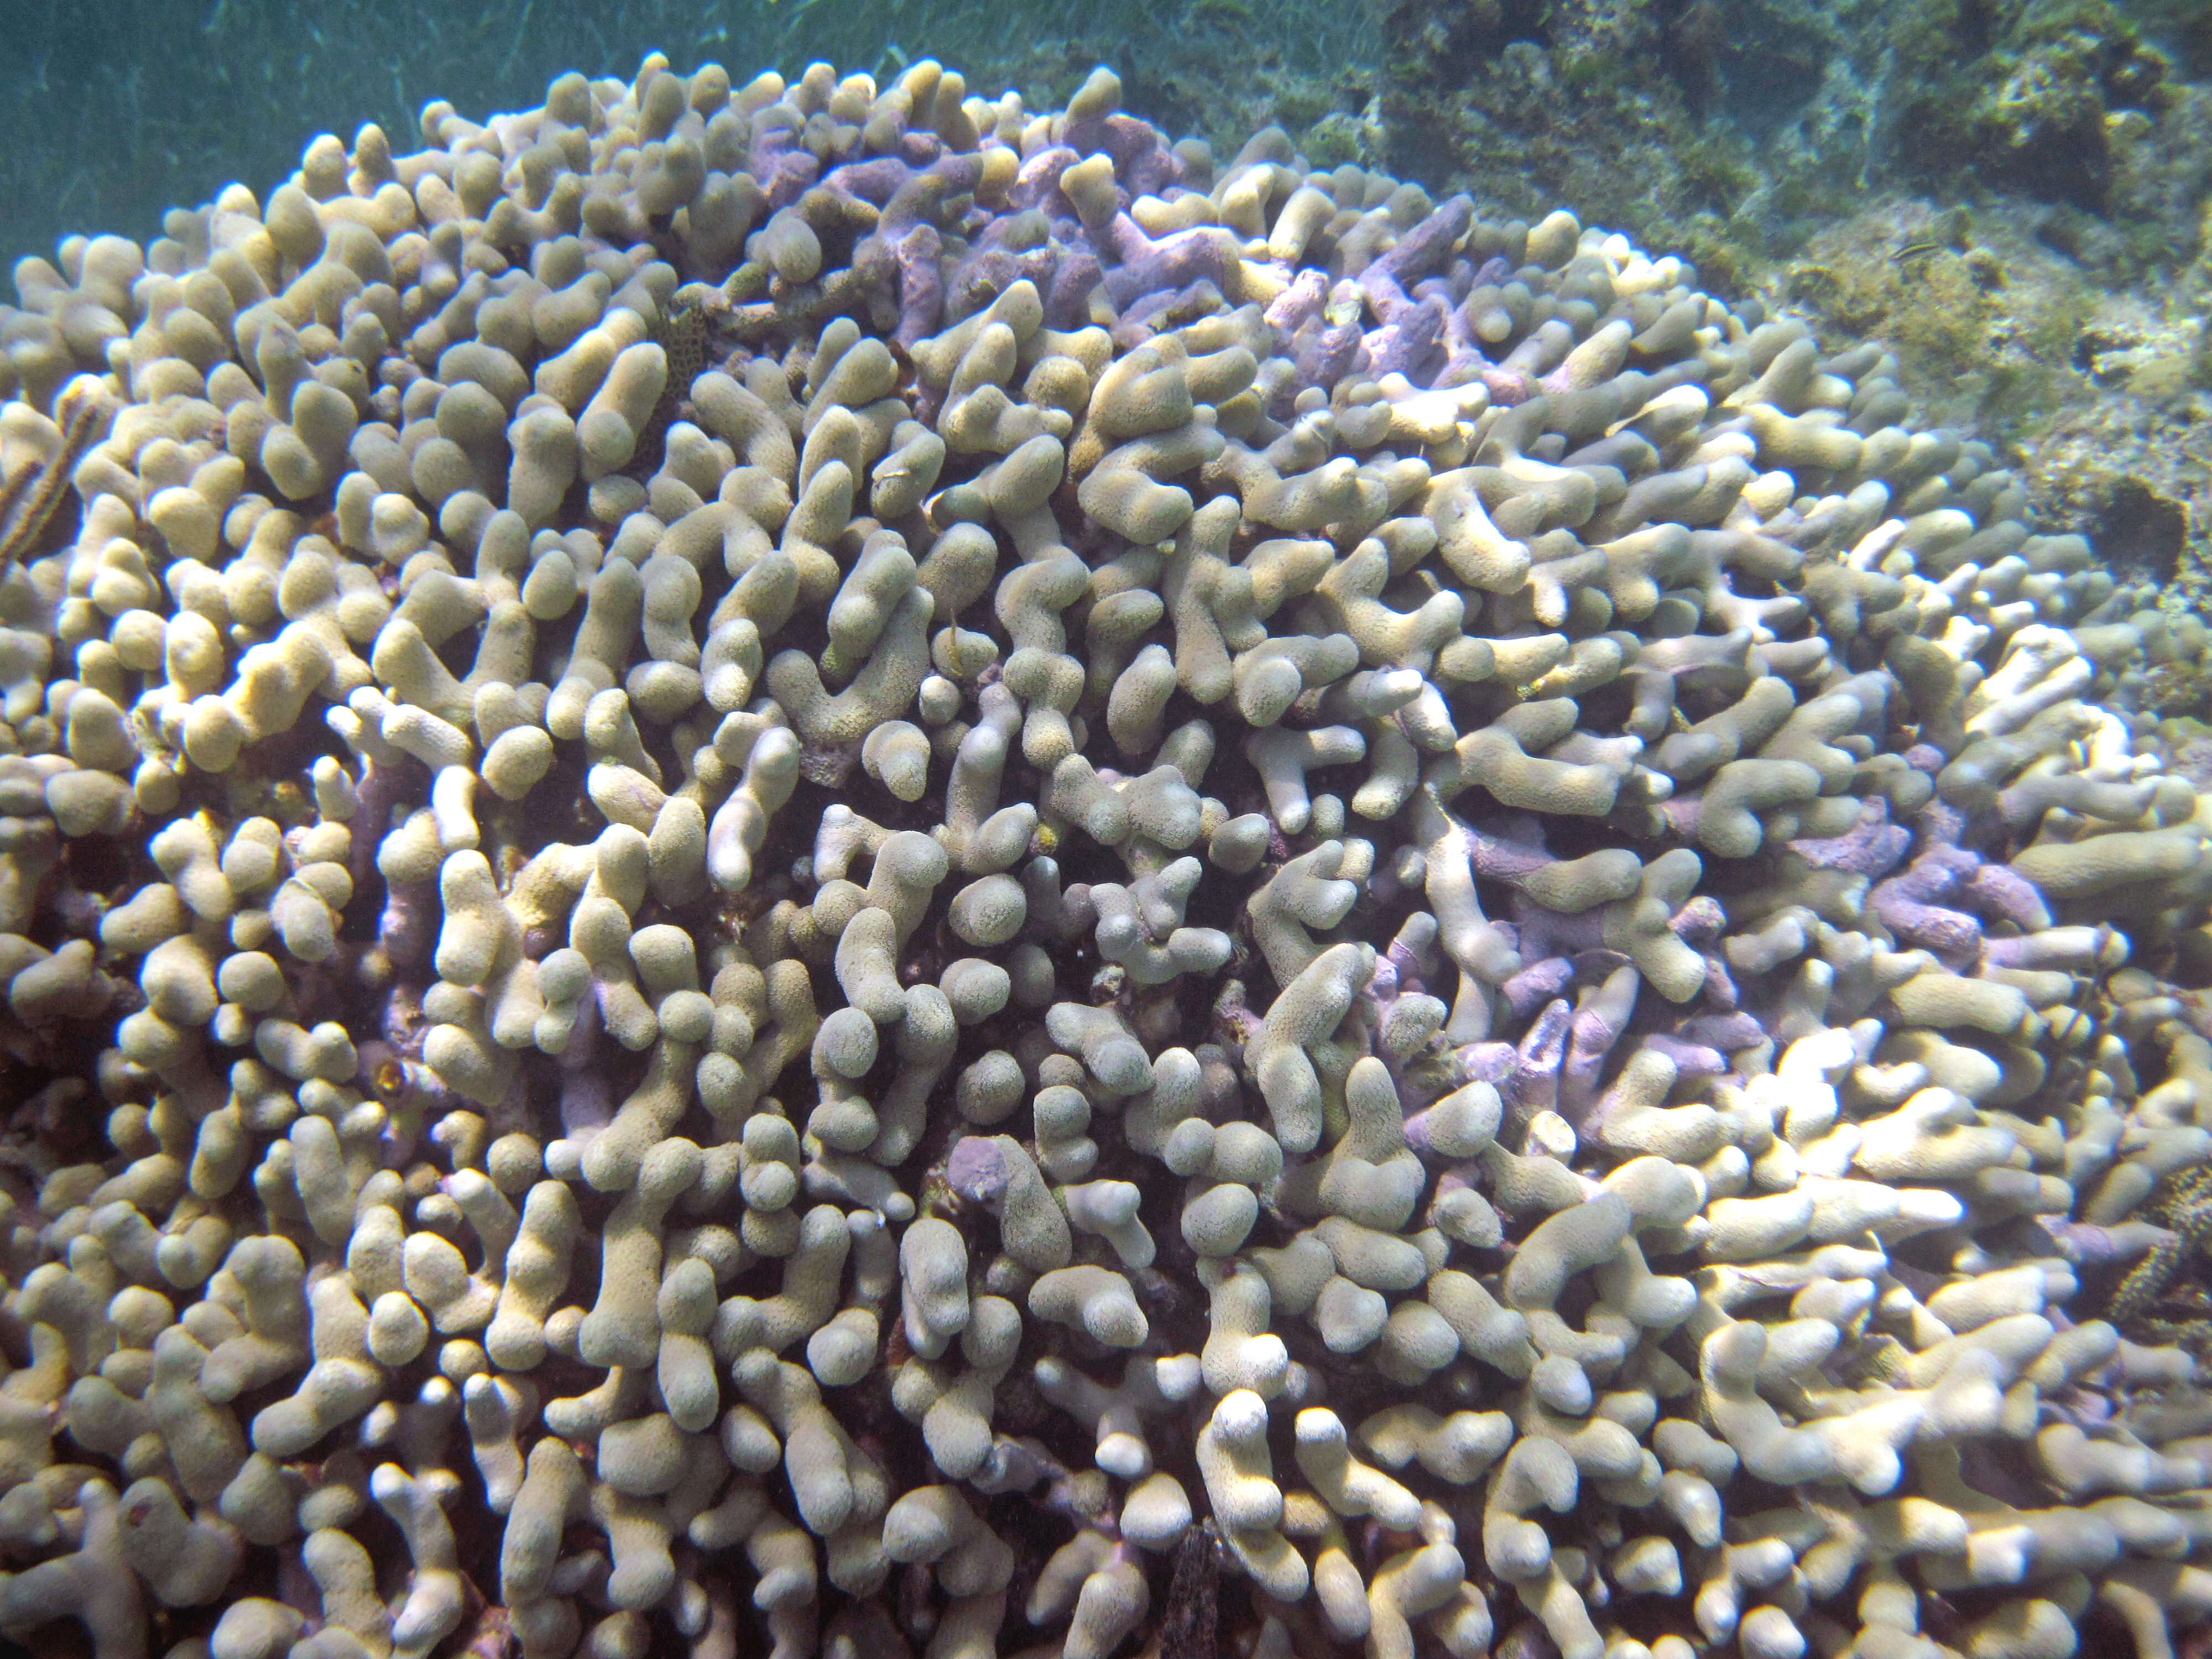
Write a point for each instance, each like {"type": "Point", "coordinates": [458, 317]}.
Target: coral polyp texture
{"type": "Point", "coordinates": [817, 868]}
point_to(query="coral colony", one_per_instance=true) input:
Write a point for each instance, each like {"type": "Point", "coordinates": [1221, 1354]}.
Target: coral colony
{"type": "Point", "coordinates": [818, 866]}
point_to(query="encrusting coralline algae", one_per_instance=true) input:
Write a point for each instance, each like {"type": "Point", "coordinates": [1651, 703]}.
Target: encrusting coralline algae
{"type": "Point", "coordinates": [821, 867]}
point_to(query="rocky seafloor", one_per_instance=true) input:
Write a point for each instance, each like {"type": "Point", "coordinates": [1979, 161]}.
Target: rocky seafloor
{"type": "Point", "coordinates": [817, 866]}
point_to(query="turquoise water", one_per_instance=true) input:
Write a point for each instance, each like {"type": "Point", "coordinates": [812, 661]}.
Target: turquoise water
{"type": "Point", "coordinates": [113, 111]}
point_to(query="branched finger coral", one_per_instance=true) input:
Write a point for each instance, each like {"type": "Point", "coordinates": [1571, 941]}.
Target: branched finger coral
{"type": "Point", "coordinates": [819, 868]}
